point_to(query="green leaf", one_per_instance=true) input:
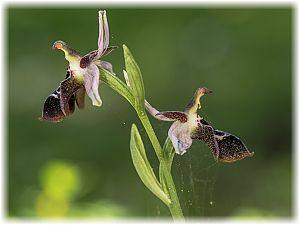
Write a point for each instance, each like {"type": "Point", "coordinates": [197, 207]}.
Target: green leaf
{"type": "Point", "coordinates": [135, 80]}
{"type": "Point", "coordinates": [168, 155]}
{"type": "Point", "coordinates": [116, 84]}
{"type": "Point", "coordinates": [143, 166]}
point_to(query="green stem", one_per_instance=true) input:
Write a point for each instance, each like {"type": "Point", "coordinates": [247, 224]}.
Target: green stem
{"type": "Point", "coordinates": [165, 171]}
{"type": "Point", "coordinates": [174, 207]}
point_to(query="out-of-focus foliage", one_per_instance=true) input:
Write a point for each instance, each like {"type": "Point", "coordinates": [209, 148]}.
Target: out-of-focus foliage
{"type": "Point", "coordinates": [82, 167]}
{"type": "Point", "coordinates": [251, 212]}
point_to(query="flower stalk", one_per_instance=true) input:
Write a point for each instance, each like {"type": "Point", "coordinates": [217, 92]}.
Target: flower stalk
{"type": "Point", "coordinates": [165, 170]}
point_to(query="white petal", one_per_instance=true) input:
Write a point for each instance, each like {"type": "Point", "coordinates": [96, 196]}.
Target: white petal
{"type": "Point", "coordinates": [106, 65]}
{"type": "Point", "coordinates": [180, 136]}
{"type": "Point", "coordinates": [103, 36]}
{"type": "Point", "coordinates": [106, 31]}
{"type": "Point", "coordinates": [153, 111]}
{"type": "Point", "coordinates": [101, 33]}
{"type": "Point", "coordinates": [91, 84]}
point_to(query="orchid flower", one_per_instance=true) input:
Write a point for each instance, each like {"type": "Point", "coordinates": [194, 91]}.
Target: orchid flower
{"type": "Point", "coordinates": [189, 125]}
{"type": "Point", "coordinates": [82, 76]}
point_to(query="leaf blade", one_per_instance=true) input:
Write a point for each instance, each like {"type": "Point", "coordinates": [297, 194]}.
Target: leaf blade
{"type": "Point", "coordinates": [143, 166]}
{"type": "Point", "coordinates": [168, 156]}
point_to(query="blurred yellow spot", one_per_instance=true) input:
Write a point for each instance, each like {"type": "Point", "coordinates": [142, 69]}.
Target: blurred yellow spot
{"type": "Point", "coordinates": [60, 180]}
{"type": "Point", "coordinates": [48, 207]}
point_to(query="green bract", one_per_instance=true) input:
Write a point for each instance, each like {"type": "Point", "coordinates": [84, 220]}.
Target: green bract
{"type": "Point", "coordinates": [135, 79]}
{"type": "Point", "coordinates": [116, 84]}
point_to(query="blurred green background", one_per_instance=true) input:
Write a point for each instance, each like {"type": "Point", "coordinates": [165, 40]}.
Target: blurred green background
{"type": "Point", "coordinates": [82, 166]}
